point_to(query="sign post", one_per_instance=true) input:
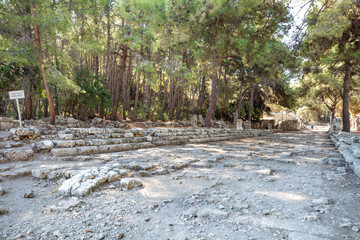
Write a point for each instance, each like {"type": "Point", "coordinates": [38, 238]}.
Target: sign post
{"type": "Point", "coordinates": [16, 95]}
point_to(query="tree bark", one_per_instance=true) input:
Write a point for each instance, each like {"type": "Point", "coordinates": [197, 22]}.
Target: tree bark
{"type": "Point", "coordinates": [164, 99]}
{"type": "Point", "coordinates": [124, 87]}
{"type": "Point", "coordinates": [118, 83]}
{"type": "Point", "coordinates": [251, 102]}
{"type": "Point", "coordinates": [134, 114]}
{"type": "Point", "coordinates": [173, 100]}
{"type": "Point", "coordinates": [43, 70]}
{"type": "Point", "coordinates": [218, 91]}
{"type": "Point", "coordinates": [346, 97]}
{"type": "Point", "coordinates": [28, 107]}
{"type": "Point", "coordinates": [240, 101]}
{"type": "Point", "coordinates": [179, 104]}
{"type": "Point", "coordinates": [201, 95]}
{"type": "Point", "coordinates": [213, 96]}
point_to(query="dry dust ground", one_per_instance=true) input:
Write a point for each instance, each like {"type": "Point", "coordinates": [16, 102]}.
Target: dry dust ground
{"type": "Point", "coordinates": [281, 186]}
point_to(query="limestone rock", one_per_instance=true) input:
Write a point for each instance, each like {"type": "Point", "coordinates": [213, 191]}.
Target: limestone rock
{"type": "Point", "coordinates": [18, 154]}
{"type": "Point", "coordinates": [213, 213]}
{"type": "Point", "coordinates": [22, 133]}
{"type": "Point", "coordinates": [65, 136]}
{"type": "Point", "coordinates": [266, 171]}
{"type": "Point", "coordinates": [161, 171]}
{"type": "Point", "coordinates": [6, 125]}
{"type": "Point", "coordinates": [64, 143]}
{"type": "Point", "coordinates": [145, 174]}
{"type": "Point", "coordinates": [129, 135]}
{"type": "Point", "coordinates": [3, 211]}
{"type": "Point", "coordinates": [66, 205]}
{"type": "Point", "coordinates": [40, 173]}
{"type": "Point", "coordinates": [72, 121]}
{"type": "Point", "coordinates": [29, 194]}
{"type": "Point", "coordinates": [113, 176]}
{"type": "Point", "coordinates": [2, 191]}
{"type": "Point", "coordinates": [286, 154]}
{"type": "Point", "coordinates": [59, 152]}
{"type": "Point", "coordinates": [82, 183]}
{"type": "Point", "coordinates": [45, 145]}
{"type": "Point", "coordinates": [322, 201]}
{"type": "Point", "coordinates": [129, 183]}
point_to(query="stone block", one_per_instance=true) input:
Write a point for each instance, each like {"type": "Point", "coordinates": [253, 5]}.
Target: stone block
{"type": "Point", "coordinates": [129, 183]}
{"type": "Point", "coordinates": [129, 135]}
{"type": "Point", "coordinates": [137, 131]}
{"type": "Point", "coordinates": [64, 143]}
{"type": "Point", "coordinates": [87, 150]}
{"type": "Point", "coordinates": [18, 154]}
{"type": "Point", "coordinates": [40, 173]}
{"type": "Point", "coordinates": [239, 124]}
{"type": "Point", "coordinates": [7, 125]}
{"type": "Point", "coordinates": [60, 152]}
{"type": "Point", "coordinates": [22, 133]}
{"type": "Point", "coordinates": [65, 136]}
{"type": "Point", "coordinates": [113, 176]}
{"type": "Point", "coordinates": [45, 145]}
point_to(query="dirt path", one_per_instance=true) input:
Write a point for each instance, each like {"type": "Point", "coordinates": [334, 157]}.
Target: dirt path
{"type": "Point", "coordinates": [281, 186]}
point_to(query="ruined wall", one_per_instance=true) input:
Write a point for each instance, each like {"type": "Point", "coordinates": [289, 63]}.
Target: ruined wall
{"type": "Point", "coordinates": [21, 144]}
{"type": "Point", "coordinates": [290, 125]}
{"type": "Point", "coordinates": [349, 146]}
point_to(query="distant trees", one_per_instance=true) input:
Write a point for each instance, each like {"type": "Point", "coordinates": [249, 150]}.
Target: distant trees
{"type": "Point", "coordinates": [332, 50]}
{"type": "Point", "coordinates": [140, 59]}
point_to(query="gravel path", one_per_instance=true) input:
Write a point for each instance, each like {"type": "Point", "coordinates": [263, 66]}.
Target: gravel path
{"type": "Point", "coordinates": [281, 186]}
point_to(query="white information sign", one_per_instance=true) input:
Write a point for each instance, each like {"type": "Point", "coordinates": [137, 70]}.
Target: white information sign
{"type": "Point", "coordinates": [17, 95]}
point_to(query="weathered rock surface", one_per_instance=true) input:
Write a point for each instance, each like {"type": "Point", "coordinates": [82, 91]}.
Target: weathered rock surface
{"type": "Point", "coordinates": [22, 133]}
{"type": "Point", "coordinates": [82, 183]}
{"type": "Point", "coordinates": [249, 192]}
{"type": "Point", "coordinates": [130, 183]}
{"type": "Point", "coordinates": [14, 154]}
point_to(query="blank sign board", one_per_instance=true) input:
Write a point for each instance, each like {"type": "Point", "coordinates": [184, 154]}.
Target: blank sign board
{"type": "Point", "coordinates": [16, 94]}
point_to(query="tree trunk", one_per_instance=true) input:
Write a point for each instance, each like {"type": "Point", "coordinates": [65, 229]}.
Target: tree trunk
{"type": "Point", "coordinates": [218, 91]}
{"type": "Point", "coordinates": [129, 77]}
{"type": "Point", "coordinates": [173, 100]}
{"type": "Point", "coordinates": [126, 82]}
{"type": "Point", "coordinates": [213, 96]}
{"type": "Point", "coordinates": [28, 107]}
{"type": "Point", "coordinates": [164, 99]}
{"type": "Point", "coordinates": [43, 70]}
{"type": "Point", "coordinates": [201, 96]}
{"type": "Point", "coordinates": [179, 104]}
{"type": "Point", "coordinates": [346, 97]}
{"type": "Point", "coordinates": [108, 38]}
{"type": "Point", "coordinates": [134, 115]}
{"type": "Point", "coordinates": [118, 83]}
{"type": "Point", "coordinates": [240, 101]}
{"type": "Point", "coordinates": [251, 103]}
{"type": "Point", "coordinates": [45, 107]}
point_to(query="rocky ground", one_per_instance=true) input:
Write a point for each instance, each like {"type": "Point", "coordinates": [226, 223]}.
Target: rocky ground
{"type": "Point", "coordinates": [279, 186]}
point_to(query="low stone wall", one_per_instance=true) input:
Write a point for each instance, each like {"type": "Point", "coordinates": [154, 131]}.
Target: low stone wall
{"type": "Point", "coordinates": [21, 144]}
{"type": "Point", "coordinates": [97, 140]}
{"type": "Point", "coordinates": [349, 146]}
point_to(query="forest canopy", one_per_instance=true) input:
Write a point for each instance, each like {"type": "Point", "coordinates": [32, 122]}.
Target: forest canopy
{"type": "Point", "coordinates": [170, 59]}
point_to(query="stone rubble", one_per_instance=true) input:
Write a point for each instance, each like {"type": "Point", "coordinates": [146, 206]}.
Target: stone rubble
{"type": "Point", "coordinates": [157, 193]}
{"type": "Point", "coordinates": [348, 145]}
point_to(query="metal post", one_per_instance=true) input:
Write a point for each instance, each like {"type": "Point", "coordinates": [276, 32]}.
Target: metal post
{"type": "Point", "coordinates": [18, 108]}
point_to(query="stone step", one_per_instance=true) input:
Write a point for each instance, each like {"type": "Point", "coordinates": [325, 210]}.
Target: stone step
{"type": "Point", "coordinates": [90, 150]}
{"type": "Point", "coordinates": [16, 154]}
{"type": "Point", "coordinates": [89, 141]}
